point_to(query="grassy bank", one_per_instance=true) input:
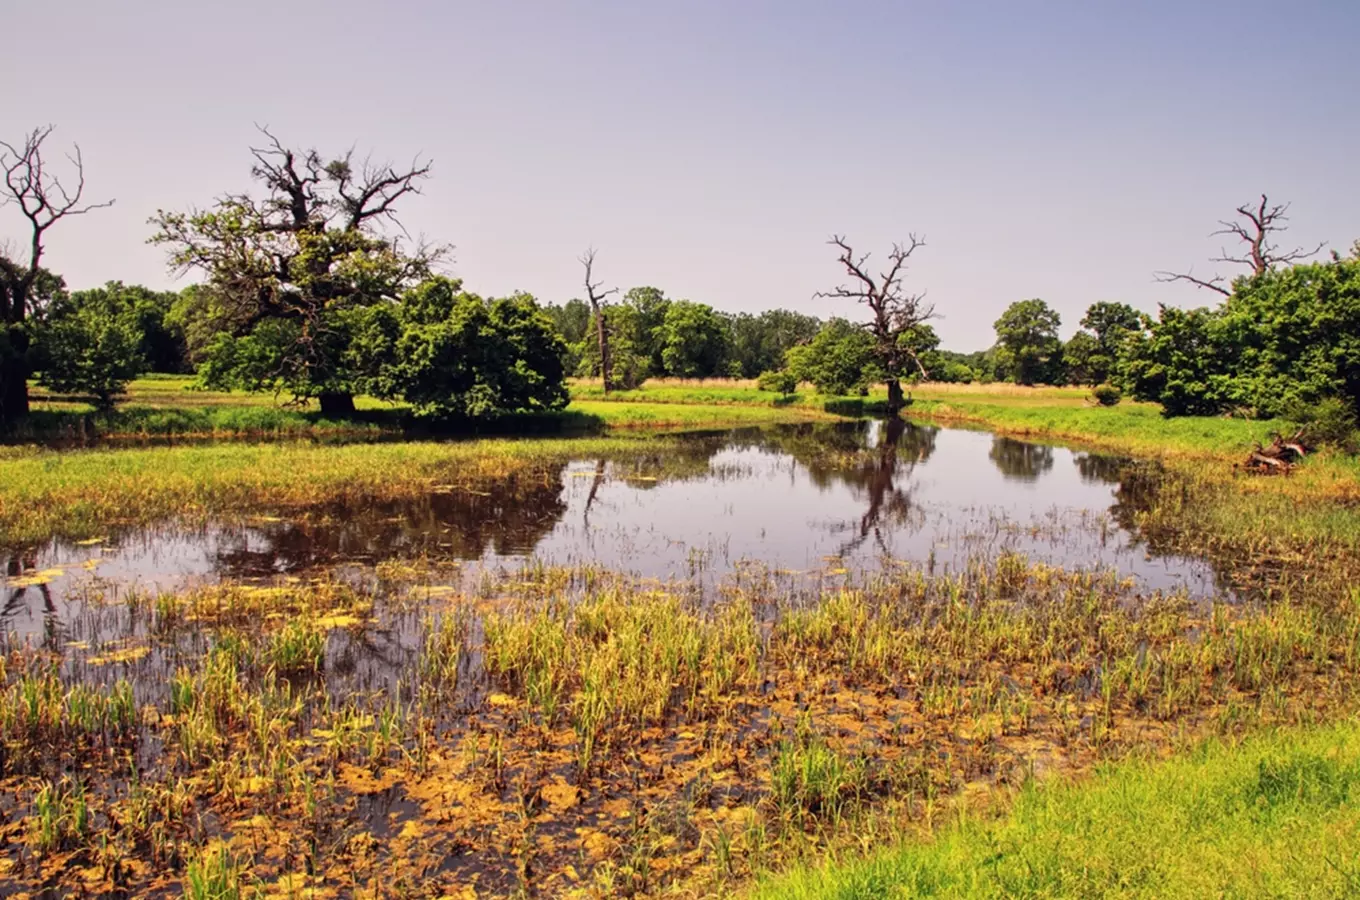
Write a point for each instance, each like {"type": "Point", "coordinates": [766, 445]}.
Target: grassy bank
{"type": "Point", "coordinates": [1275, 816]}
{"type": "Point", "coordinates": [168, 406]}
{"type": "Point", "coordinates": [48, 493]}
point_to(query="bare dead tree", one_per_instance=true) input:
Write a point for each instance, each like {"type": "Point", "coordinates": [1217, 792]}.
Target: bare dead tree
{"type": "Point", "coordinates": [1256, 223]}
{"type": "Point", "coordinates": [895, 312]}
{"type": "Point", "coordinates": [596, 297]}
{"type": "Point", "coordinates": [43, 199]}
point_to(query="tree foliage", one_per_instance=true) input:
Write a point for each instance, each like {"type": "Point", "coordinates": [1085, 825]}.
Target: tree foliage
{"type": "Point", "coordinates": [840, 360]}
{"type": "Point", "coordinates": [1110, 324]}
{"type": "Point", "coordinates": [1286, 338]}
{"type": "Point", "coordinates": [1027, 332]}
{"type": "Point", "coordinates": [759, 342]}
{"type": "Point", "coordinates": [91, 344]}
{"type": "Point", "coordinates": [1177, 364]}
{"type": "Point", "coordinates": [452, 354]}
{"type": "Point", "coordinates": [694, 341]}
{"type": "Point", "coordinates": [286, 270]}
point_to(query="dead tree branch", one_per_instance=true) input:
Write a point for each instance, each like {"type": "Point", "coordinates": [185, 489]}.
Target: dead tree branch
{"type": "Point", "coordinates": [596, 297]}
{"type": "Point", "coordinates": [894, 312]}
{"type": "Point", "coordinates": [1253, 229]}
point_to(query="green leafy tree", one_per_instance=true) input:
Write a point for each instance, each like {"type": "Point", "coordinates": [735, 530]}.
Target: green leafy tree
{"type": "Point", "coordinates": [893, 313]}
{"type": "Point", "coordinates": [759, 342]}
{"type": "Point", "coordinates": [628, 367]}
{"type": "Point", "coordinates": [1083, 360]}
{"type": "Point", "coordinates": [647, 308]}
{"type": "Point", "coordinates": [161, 338]}
{"type": "Point", "coordinates": [572, 321]}
{"type": "Point", "coordinates": [287, 271]}
{"type": "Point", "coordinates": [1028, 333]}
{"type": "Point", "coordinates": [1111, 324]}
{"type": "Point", "coordinates": [452, 354]}
{"type": "Point", "coordinates": [839, 360]}
{"type": "Point", "coordinates": [92, 346]}
{"type": "Point", "coordinates": [694, 341]}
{"type": "Point", "coordinates": [781, 381]}
{"type": "Point", "coordinates": [1180, 363]}
{"type": "Point", "coordinates": [32, 188]}
{"type": "Point", "coordinates": [1286, 339]}
{"type": "Point", "coordinates": [1292, 336]}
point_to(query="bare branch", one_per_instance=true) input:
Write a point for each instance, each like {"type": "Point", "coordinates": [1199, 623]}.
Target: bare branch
{"type": "Point", "coordinates": [593, 293]}
{"type": "Point", "coordinates": [895, 313]}
{"type": "Point", "coordinates": [40, 195]}
{"type": "Point", "coordinates": [1213, 284]}
{"type": "Point", "coordinates": [597, 298]}
{"type": "Point", "coordinates": [1259, 221]}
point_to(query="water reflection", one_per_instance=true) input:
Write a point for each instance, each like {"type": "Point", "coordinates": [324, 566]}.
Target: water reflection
{"type": "Point", "coordinates": [1099, 469]}
{"type": "Point", "coordinates": [1021, 460]}
{"type": "Point", "coordinates": [800, 499]}
{"type": "Point", "coordinates": [505, 519]}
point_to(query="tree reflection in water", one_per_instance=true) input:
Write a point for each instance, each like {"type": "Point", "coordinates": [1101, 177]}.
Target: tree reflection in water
{"type": "Point", "coordinates": [1096, 468]}
{"type": "Point", "coordinates": [507, 517]}
{"type": "Point", "coordinates": [1019, 460]}
{"type": "Point", "coordinates": [16, 599]}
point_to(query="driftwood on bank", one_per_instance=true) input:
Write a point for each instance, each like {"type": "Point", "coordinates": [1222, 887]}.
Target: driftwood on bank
{"type": "Point", "coordinates": [1279, 458]}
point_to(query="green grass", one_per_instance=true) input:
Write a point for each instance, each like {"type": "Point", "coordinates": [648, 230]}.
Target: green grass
{"type": "Point", "coordinates": [1130, 427]}
{"type": "Point", "coordinates": [76, 494]}
{"type": "Point", "coordinates": [671, 414]}
{"type": "Point", "coordinates": [169, 406]}
{"type": "Point", "coordinates": [1276, 816]}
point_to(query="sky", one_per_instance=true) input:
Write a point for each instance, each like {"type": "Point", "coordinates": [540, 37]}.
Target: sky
{"type": "Point", "coordinates": [1062, 150]}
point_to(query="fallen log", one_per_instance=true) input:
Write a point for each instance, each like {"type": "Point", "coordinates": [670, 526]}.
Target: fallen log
{"type": "Point", "coordinates": [1279, 458]}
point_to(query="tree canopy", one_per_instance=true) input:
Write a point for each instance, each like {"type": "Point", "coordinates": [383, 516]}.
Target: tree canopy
{"type": "Point", "coordinates": [1027, 332]}
{"type": "Point", "coordinates": [285, 271]}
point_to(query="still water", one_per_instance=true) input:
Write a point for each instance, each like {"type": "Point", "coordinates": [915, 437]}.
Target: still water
{"type": "Point", "coordinates": [802, 500]}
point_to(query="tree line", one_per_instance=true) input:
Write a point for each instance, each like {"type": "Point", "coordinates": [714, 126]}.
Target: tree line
{"type": "Point", "coordinates": [310, 286]}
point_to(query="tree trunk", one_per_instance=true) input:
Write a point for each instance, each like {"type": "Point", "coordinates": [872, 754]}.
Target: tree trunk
{"type": "Point", "coordinates": [13, 378]}
{"type": "Point", "coordinates": [602, 333]}
{"type": "Point", "coordinates": [336, 404]}
{"type": "Point", "coordinates": [895, 399]}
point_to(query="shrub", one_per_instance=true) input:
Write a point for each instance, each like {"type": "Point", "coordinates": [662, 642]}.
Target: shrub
{"type": "Point", "coordinates": [1107, 394]}
{"type": "Point", "coordinates": [1329, 421]}
{"type": "Point", "coordinates": [781, 381]}
{"type": "Point", "coordinates": [91, 348]}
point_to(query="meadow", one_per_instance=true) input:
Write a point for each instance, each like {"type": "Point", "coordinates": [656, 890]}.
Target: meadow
{"type": "Point", "coordinates": [416, 724]}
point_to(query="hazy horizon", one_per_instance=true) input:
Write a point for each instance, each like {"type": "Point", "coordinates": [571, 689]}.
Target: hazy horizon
{"type": "Point", "coordinates": [1053, 150]}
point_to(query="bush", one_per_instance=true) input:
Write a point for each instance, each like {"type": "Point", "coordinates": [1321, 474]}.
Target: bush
{"type": "Point", "coordinates": [454, 355]}
{"type": "Point", "coordinates": [1107, 394]}
{"type": "Point", "coordinates": [91, 349]}
{"type": "Point", "coordinates": [782, 381]}
{"type": "Point", "coordinates": [1329, 421]}
{"type": "Point", "coordinates": [838, 361]}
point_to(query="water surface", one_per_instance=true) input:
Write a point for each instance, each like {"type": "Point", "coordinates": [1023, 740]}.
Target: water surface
{"type": "Point", "coordinates": [807, 501]}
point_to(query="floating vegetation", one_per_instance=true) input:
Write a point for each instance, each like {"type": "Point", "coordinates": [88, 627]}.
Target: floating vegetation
{"type": "Point", "coordinates": [575, 731]}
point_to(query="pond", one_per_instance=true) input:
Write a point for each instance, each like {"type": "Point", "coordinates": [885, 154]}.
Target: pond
{"type": "Point", "coordinates": [803, 501]}
{"type": "Point", "coordinates": [611, 667]}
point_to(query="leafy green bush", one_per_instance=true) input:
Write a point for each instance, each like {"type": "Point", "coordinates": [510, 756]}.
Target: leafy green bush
{"type": "Point", "coordinates": [781, 381]}
{"type": "Point", "coordinates": [452, 354]}
{"type": "Point", "coordinates": [1107, 394]}
{"type": "Point", "coordinates": [1330, 421]}
{"type": "Point", "coordinates": [92, 348]}
{"type": "Point", "coordinates": [1285, 339]}
{"type": "Point", "coordinates": [839, 360]}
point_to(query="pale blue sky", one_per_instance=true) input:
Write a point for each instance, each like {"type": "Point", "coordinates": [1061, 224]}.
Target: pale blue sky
{"type": "Point", "coordinates": [1064, 150]}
